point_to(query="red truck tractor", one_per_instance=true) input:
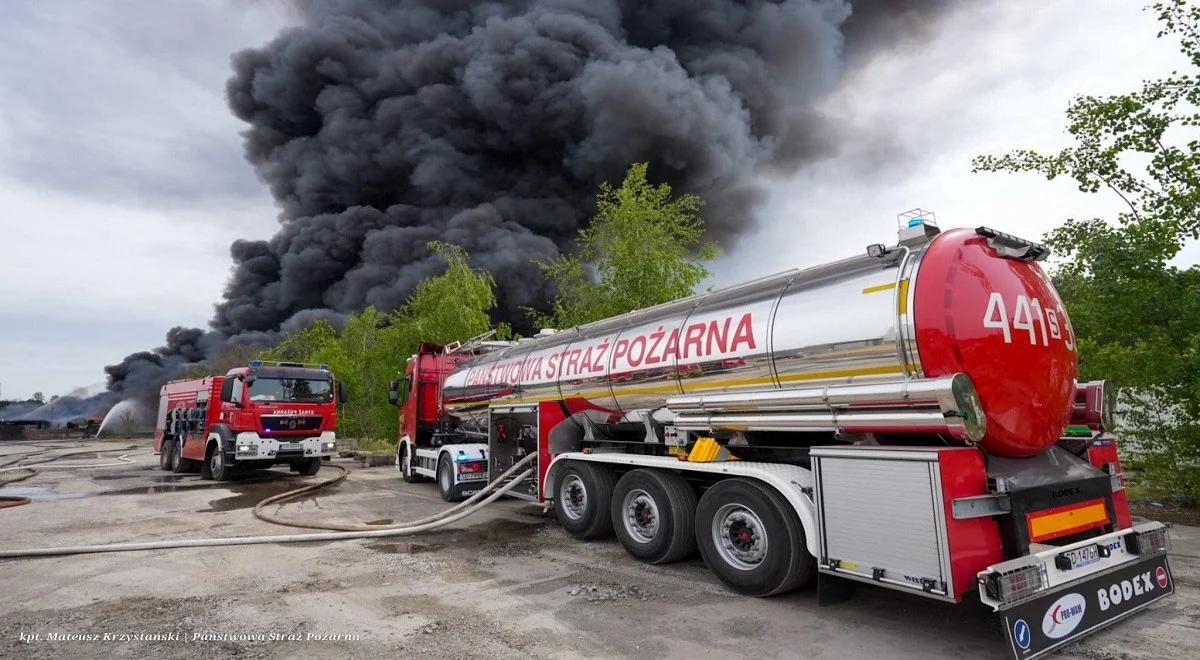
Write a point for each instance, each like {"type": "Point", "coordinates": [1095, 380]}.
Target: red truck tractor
{"type": "Point", "coordinates": [907, 418]}
{"type": "Point", "coordinates": [253, 417]}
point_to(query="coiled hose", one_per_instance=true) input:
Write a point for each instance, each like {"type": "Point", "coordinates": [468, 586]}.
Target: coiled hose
{"type": "Point", "coordinates": [442, 519]}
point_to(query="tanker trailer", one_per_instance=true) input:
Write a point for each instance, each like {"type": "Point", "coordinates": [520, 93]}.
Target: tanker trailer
{"type": "Point", "coordinates": [895, 418]}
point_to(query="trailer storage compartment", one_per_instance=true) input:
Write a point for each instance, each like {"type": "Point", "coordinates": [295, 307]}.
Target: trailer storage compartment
{"type": "Point", "coordinates": [884, 515]}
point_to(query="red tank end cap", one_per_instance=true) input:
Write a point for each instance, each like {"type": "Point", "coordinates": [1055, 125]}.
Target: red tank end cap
{"type": "Point", "coordinates": [1001, 322]}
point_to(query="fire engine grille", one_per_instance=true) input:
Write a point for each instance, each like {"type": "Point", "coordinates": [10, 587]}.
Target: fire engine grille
{"type": "Point", "coordinates": [284, 423]}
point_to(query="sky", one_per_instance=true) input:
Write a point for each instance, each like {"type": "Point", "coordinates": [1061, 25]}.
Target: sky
{"type": "Point", "coordinates": [122, 181]}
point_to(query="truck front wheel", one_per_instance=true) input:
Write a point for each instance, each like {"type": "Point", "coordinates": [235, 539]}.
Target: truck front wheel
{"type": "Point", "coordinates": [653, 514]}
{"type": "Point", "coordinates": [582, 498]}
{"type": "Point", "coordinates": [215, 464]}
{"type": "Point", "coordinates": [404, 464]}
{"type": "Point", "coordinates": [309, 467]}
{"type": "Point", "coordinates": [751, 539]}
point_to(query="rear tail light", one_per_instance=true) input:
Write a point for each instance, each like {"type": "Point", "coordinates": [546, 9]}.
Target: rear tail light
{"type": "Point", "coordinates": [470, 467]}
{"type": "Point", "coordinates": [1153, 542]}
{"type": "Point", "coordinates": [1015, 585]}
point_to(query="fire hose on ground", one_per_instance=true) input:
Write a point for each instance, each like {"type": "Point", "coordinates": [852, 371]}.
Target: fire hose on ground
{"type": "Point", "coordinates": [454, 514]}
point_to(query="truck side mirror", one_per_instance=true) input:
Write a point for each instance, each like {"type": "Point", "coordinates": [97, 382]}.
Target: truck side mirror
{"type": "Point", "coordinates": [341, 392]}
{"type": "Point", "coordinates": [231, 391]}
{"type": "Point", "coordinates": [394, 392]}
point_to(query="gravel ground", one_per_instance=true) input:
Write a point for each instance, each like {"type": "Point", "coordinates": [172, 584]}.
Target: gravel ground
{"type": "Point", "coordinates": [507, 583]}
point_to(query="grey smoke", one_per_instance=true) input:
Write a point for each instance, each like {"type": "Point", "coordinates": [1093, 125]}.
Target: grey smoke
{"type": "Point", "coordinates": [380, 126]}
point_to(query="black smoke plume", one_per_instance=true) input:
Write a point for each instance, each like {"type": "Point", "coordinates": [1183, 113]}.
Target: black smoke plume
{"type": "Point", "coordinates": [381, 125]}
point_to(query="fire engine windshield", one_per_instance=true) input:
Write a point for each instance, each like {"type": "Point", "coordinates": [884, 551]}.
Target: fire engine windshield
{"type": "Point", "coordinates": [292, 390]}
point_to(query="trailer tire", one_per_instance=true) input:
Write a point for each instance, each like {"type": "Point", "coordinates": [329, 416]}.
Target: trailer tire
{"type": "Point", "coordinates": [309, 467]}
{"type": "Point", "coordinates": [751, 539]}
{"type": "Point", "coordinates": [582, 501]}
{"type": "Point", "coordinates": [164, 453]}
{"type": "Point", "coordinates": [404, 465]}
{"type": "Point", "coordinates": [445, 479]}
{"type": "Point", "coordinates": [653, 514]}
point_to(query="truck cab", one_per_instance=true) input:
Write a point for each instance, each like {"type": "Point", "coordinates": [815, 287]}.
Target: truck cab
{"type": "Point", "coordinates": [256, 416]}
{"type": "Point", "coordinates": [432, 445]}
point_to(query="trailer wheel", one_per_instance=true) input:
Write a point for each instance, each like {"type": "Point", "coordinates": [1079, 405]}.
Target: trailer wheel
{"type": "Point", "coordinates": [583, 498]}
{"type": "Point", "coordinates": [751, 539]}
{"type": "Point", "coordinates": [445, 479]}
{"type": "Point", "coordinates": [653, 514]}
{"type": "Point", "coordinates": [164, 453]}
{"type": "Point", "coordinates": [215, 464]}
{"type": "Point", "coordinates": [404, 465]}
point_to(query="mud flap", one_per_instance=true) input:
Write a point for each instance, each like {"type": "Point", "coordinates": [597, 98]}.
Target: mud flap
{"type": "Point", "coordinates": [1045, 623]}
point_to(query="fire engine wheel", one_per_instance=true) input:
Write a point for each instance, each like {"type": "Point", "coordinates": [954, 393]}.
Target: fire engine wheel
{"type": "Point", "coordinates": [445, 479]}
{"type": "Point", "coordinates": [404, 464]}
{"type": "Point", "coordinates": [751, 539]}
{"type": "Point", "coordinates": [309, 467]}
{"type": "Point", "coordinates": [164, 453]}
{"type": "Point", "coordinates": [179, 464]}
{"type": "Point", "coordinates": [215, 464]}
{"type": "Point", "coordinates": [582, 500]}
{"type": "Point", "coordinates": [653, 514]}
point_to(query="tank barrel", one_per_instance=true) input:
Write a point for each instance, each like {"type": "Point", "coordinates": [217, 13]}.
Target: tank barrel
{"type": "Point", "coordinates": [836, 421]}
{"type": "Point", "coordinates": [942, 393]}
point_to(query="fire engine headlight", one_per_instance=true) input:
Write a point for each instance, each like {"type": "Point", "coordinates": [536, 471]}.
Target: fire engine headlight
{"type": "Point", "coordinates": [1016, 584]}
{"type": "Point", "coordinates": [328, 446]}
{"type": "Point", "coordinates": [246, 449]}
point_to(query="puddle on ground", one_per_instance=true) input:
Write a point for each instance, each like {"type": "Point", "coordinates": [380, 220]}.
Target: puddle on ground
{"type": "Point", "coordinates": [249, 493]}
{"type": "Point", "coordinates": [169, 478]}
{"type": "Point", "coordinates": [496, 534]}
{"type": "Point", "coordinates": [404, 548]}
{"type": "Point", "coordinates": [39, 493]}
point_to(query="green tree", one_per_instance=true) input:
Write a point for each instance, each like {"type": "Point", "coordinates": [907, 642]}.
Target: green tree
{"type": "Point", "coordinates": [372, 347]}
{"type": "Point", "coordinates": [1136, 315]}
{"type": "Point", "coordinates": [644, 247]}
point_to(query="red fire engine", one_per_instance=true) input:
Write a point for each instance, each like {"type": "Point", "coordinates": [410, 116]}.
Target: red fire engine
{"type": "Point", "coordinates": [252, 417]}
{"type": "Point", "coordinates": [897, 418]}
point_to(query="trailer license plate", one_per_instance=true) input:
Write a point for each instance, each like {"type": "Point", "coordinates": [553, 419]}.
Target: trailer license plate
{"type": "Point", "coordinates": [1051, 620]}
{"type": "Point", "coordinates": [1083, 556]}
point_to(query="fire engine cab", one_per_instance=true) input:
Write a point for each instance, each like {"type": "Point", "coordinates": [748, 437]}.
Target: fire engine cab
{"type": "Point", "coordinates": [253, 417]}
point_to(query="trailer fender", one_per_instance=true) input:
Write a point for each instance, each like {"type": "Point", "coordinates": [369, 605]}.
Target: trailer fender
{"type": "Point", "coordinates": [793, 482]}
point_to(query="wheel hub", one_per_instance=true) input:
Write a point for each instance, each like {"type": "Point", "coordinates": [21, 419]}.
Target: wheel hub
{"type": "Point", "coordinates": [641, 515]}
{"type": "Point", "coordinates": [574, 497]}
{"type": "Point", "coordinates": [739, 536]}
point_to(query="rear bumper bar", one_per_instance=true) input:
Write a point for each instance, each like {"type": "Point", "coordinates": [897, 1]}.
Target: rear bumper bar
{"type": "Point", "coordinates": [1084, 587]}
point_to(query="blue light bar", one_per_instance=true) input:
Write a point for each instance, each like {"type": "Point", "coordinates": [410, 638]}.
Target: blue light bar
{"type": "Point", "coordinates": [254, 364]}
{"type": "Point", "coordinates": [916, 222]}
{"type": "Point", "coordinates": [323, 367]}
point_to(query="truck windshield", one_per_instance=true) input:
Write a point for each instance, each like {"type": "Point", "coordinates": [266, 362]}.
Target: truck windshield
{"type": "Point", "coordinates": [293, 390]}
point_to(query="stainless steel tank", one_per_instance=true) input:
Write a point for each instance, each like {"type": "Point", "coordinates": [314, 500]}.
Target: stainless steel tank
{"type": "Point", "coordinates": [850, 322]}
